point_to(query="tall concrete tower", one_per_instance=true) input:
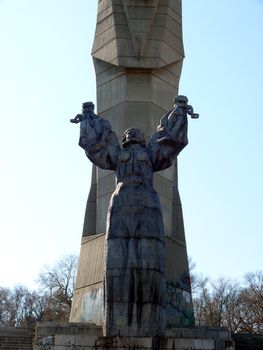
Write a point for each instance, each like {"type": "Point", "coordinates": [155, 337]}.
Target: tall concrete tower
{"type": "Point", "coordinates": [138, 55]}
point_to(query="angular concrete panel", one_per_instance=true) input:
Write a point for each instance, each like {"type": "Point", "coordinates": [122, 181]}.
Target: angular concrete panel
{"type": "Point", "coordinates": [90, 261]}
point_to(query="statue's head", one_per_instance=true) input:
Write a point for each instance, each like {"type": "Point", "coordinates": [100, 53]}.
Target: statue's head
{"type": "Point", "coordinates": [133, 135]}
{"type": "Point", "coordinates": [88, 107]}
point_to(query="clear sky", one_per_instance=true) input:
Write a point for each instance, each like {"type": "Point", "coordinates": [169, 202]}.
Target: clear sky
{"type": "Point", "coordinates": [46, 72]}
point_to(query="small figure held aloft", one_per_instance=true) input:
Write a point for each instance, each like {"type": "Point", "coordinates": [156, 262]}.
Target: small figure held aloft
{"type": "Point", "coordinates": [87, 111]}
{"type": "Point", "coordinates": [182, 108]}
{"type": "Point", "coordinates": [179, 110]}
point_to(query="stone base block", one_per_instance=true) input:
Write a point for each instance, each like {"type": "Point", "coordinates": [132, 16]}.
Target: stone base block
{"type": "Point", "coordinates": [50, 336]}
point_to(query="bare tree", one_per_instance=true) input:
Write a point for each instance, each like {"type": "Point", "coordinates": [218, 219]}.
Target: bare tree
{"type": "Point", "coordinates": [198, 281]}
{"type": "Point", "coordinates": [251, 299]}
{"type": "Point", "coordinates": [57, 283]}
{"type": "Point", "coordinates": [5, 309]}
{"type": "Point", "coordinates": [217, 304]}
{"type": "Point", "coordinates": [19, 306]}
{"type": "Point", "coordinates": [224, 303]}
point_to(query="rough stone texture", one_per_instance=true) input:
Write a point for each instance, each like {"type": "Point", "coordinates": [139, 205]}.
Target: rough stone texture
{"type": "Point", "coordinates": [138, 55]}
{"type": "Point", "coordinates": [88, 297]}
{"type": "Point", "coordinates": [92, 247]}
{"type": "Point", "coordinates": [58, 336]}
{"type": "Point", "coordinates": [83, 337]}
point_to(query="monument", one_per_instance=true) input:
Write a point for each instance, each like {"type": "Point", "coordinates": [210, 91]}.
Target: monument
{"type": "Point", "coordinates": [134, 283]}
{"type": "Point", "coordinates": [138, 55]}
{"type": "Point", "coordinates": [133, 287]}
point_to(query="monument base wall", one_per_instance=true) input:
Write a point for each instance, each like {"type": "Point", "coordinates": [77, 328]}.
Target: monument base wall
{"type": "Point", "coordinates": [50, 336]}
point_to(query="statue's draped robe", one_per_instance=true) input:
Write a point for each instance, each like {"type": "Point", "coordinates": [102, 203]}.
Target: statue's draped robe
{"type": "Point", "coordinates": [134, 279]}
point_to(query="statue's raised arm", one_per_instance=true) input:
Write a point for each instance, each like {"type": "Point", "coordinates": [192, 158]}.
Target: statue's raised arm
{"type": "Point", "coordinates": [171, 135]}
{"type": "Point", "coordinates": [97, 138]}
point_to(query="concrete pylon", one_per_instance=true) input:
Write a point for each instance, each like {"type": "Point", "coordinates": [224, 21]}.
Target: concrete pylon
{"type": "Point", "coordinates": [138, 55]}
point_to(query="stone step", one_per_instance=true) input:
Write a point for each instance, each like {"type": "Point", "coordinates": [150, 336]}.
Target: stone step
{"type": "Point", "coordinates": [16, 330]}
{"type": "Point", "coordinates": [16, 341]}
{"type": "Point", "coordinates": [16, 344]}
{"type": "Point", "coordinates": [16, 347]}
{"type": "Point", "coordinates": [16, 338]}
{"type": "Point", "coordinates": [20, 344]}
{"type": "Point", "coordinates": [20, 339]}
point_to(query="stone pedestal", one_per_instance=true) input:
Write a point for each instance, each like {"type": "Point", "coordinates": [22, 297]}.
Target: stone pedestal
{"type": "Point", "coordinates": [83, 337]}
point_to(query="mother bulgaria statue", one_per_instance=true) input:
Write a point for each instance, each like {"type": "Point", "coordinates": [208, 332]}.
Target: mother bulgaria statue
{"type": "Point", "coordinates": [134, 256]}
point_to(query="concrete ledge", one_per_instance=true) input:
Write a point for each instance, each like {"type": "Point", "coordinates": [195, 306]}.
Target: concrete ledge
{"type": "Point", "coordinates": [88, 336]}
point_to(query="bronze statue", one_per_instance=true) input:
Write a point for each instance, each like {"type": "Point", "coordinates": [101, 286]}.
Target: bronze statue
{"type": "Point", "coordinates": [134, 262]}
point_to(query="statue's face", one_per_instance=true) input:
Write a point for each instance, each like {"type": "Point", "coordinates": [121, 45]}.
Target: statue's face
{"type": "Point", "coordinates": [133, 135]}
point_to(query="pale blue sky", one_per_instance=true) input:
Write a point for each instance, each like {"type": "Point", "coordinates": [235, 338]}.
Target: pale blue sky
{"type": "Point", "coordinates": [46, 72]}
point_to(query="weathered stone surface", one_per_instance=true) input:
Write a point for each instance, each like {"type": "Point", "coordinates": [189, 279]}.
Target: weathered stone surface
{"type": "Point", "coordinates": [71, 336]}
{"type": "Point", "coordinates": [179, 310]}
{"type": "Point", "coordinates": [88, 304]}
{"type": "Point", "coordinates": [93, 249]}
